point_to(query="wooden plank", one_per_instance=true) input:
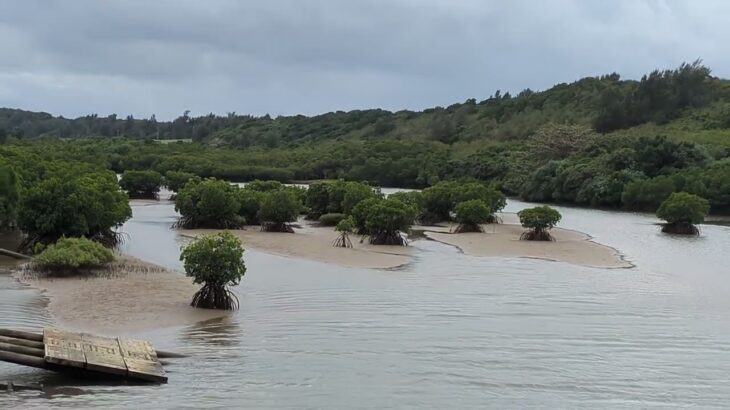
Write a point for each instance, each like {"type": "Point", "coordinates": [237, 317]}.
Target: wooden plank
{"type": "Point", "coordinates": [141, 360]}
{"type": "Point", "coordinates": [63, 348]}
{"type": "Point", "coordinates": [103, 355]}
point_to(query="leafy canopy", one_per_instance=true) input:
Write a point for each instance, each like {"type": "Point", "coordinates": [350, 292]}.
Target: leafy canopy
{"type": "Point", "coordinates": [174, 180]}
{"type": "Point", "coordinates": [472, 212]}
{"type": "Point", "coordinates": [214, 259]}
{"type": "Point", "coordinates": [539, 218]}
{"type": "Point", "coordinates": [683, 208]}
{"type": "Point", "coordinates": [141, 184]}
{"type": "Point", "coordinates": [74, 206]}
{"type": "Point", "coordinates": [210, 203]}
{"type": "Point", "coordinates": [279, 207]}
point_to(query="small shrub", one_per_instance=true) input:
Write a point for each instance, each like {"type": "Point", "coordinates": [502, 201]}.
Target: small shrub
{"type": "Point", "coordinates": [538, 220]}
{"type": "Point", "coordinates": [682, 211]}
{"type": "Point", "coordinates": [331, 219]}
{"type": "Point", "coordinates": [471, 215]}
{"type": "Point", "coordinates": [216, 262]}
{"type": "Point", "coordinates": [345, 227]}
{"type": "Point", "coordinates": [141, 184]}
{"type": "Point", "coordinates": [72, 255]}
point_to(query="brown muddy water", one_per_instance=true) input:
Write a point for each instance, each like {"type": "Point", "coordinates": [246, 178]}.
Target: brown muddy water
{"type": "Point", "coordinates": [446, 331]}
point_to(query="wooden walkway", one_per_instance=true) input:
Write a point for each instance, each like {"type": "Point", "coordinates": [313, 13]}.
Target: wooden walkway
{"type": "Point", "coordinates": [82, 352]}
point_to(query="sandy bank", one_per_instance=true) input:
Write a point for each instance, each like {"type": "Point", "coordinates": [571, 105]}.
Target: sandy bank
{"type": "Point", "coordinates": [502, 240]}
{"type": "Point", "coordinates": [131, 296]}
{"type": "Point", "coordinates": [315, 243]}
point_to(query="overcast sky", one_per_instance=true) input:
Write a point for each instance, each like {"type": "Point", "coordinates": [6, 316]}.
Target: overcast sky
{"type": "Point", "coordinates": [311, 56]}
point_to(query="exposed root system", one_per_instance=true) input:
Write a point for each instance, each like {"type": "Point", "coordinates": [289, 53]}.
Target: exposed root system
{"type": "Point", "coordinates": [214, 297]}
{"type": "Point", "coordinates": [187, 222]}
{"type": "Point", "coordinates": [463, 228]}
{"type": "Point", "coordinates": [681, 229]}
{"type": "Point", "coordinates": [536, 235]}
{"type": "Point", "coordinates": [342, 241]}
{"type": "Point", "coordinates": [388, 238]}
{"type": "Point", "coordinates": [276, 227]}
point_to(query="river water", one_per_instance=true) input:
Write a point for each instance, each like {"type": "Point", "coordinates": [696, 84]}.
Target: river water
{"type": "Point", "coordinates": [446, 331]}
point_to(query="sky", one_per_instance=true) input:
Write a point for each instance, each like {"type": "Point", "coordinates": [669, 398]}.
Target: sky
{"type": "Point", "coordinates": [285, 57]}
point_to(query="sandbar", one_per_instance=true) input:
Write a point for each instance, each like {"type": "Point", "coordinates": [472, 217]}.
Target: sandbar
{"type": "Point", "coordinates": [130, 296]}
{"type": "Point", "coordinates": [503, 240]}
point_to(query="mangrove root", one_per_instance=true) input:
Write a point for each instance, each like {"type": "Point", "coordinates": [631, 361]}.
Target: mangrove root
{"type": "Point", "coordinates": [214, 297]}
{"type": "Point", "coordinates": [342, 241]}
{"type": "Point", "coordinates": [536, 235]}
{"type": "Point", "coordinates": [681, 229]}
{"type": "Point", "coordinates": [388, 238]}
{"type": "Point", "coordinates": [276, 227]}
{"type": "Point", "coordinates": [468, 227]}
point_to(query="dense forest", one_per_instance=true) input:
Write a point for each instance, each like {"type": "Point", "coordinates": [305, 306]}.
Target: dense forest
{"type": "Point", "coordinates": [600, 141]}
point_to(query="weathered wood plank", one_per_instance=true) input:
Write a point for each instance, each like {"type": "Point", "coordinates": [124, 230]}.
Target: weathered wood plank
{"type": "Point", "coordinates": [63, 348]}
{"type": "Point", "coordinates": [141, 360]}
{"type": "Point", "coordinates": [103, 355]}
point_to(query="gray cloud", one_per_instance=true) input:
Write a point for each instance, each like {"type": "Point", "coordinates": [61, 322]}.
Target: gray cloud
{"type": "Point", "coordinates": [311, 56]}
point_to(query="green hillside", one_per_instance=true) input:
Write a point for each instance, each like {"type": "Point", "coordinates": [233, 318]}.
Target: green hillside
{"type": "Point", "coordinates": [600, 141]}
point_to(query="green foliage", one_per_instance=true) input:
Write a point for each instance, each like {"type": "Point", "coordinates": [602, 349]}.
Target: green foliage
{"type": "Point", "coordinates": [535, 144]}
{"type": "Point", "coordinates": [683, 208]}
{"type": "Point", "coordinates": [72, 255]}
{"type": "Point", "coordinates": [360, 213]}
{"type": "Point", "coordinates": [277, 209]}
{"type": "Point", "coordinates": [471, 214]}
{"type": "Point", "coordinates": [215, 261]}
{"type": "Point", "coordinates": [538, 220]}
{"type": "Point", "coordinates": [355, 192]}
{"type": "Point", "coordinates": [209, 203]}
{"type": "Point", "coordinates": [438, 201]}
{"type": "Point", "coordinates": [331, 219]}
{"type": "Point", "coordinates": [175, 180]}
{"type": "Point", "coordinates": [385, 219]}
{"type": "Point", "coordinates": [9, 197]}
{"type": "Point", "coordinates": [414, 199]}
{"type": "Point", "coordinates": [249, 204]}
{"type": "Point", "coordinates": [488, 195]}
{"type": "Point", "coordinates": [90, 206]}
{"type": "Point", "coordinates": [336, 197]}
{"type": "Point", "coordinates": [264, 186]}
{"type": "Point", "coordinates": [141, 184]}
{"type": "Point", "coordinates": [346, 225]}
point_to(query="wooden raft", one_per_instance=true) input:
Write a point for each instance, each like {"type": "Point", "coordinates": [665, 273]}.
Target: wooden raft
{"type": "Point", "coordinates": [133, 359]}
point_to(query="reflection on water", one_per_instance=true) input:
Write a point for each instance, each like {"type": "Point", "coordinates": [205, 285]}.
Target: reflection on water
{"type": "Point", "coordinates": [446, 331]}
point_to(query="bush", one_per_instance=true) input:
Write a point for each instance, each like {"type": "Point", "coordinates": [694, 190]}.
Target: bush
{"type": "Point", "coordinates": [210, 203]}
{"type": "Point", "coordinates": [277, 209]}
{"type": "Point", "coordinates": [331, 219]}
{"type": "Point", "coordinates": [538, 220]}
{"type": "Point", "coordinates": [385, 219]}
{"type": "Point", "coordinates": [345, 227]}
{"type": "Point", "coordinates": [249, 205]}
{"type": "Point", "coordinates": [72, 255]}
{"type": "Point", "coordinates": [682, 211]}
{"type": "Point", "coordinates": [73, 206]}
{"type": "Point", "coordinates": [471, 214]}
{"type": "Point", "coordinates": [141, 184]}
{"type": "Point", "coordinates": [264, 186]}
{"type": "Point", "coordinates": [216, 262]}
{"type": "Point", "coordinates": [175, 180]}
{"type": "Point", "coordinates": [9, 196]}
